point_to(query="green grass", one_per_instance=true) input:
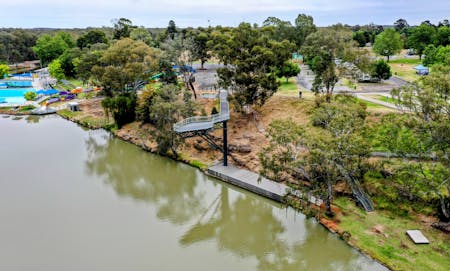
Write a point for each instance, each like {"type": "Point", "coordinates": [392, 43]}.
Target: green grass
{"type": "Point", "coordinates": [6, 108]}
{"type": "Point", "coordinates": [193, 162]}
{"type": "Point", "coordinates": [75, 82]}
{"type": "Point", "coordinates": [387, 99]}
{"type": "Point", "coordinates": [22, 109]}
{"type": "Point", "coordinates": [87, 121]}
{"type": "Point", "coordinates": [412, 61]}
{"type": "Point", "coordinates": [392, 246]}
{"type": "Point", "coordinates": [404, 68]}
{"type": "Point", "coordinates": [287, 88]}
{"type": "Point", "coordinates": [198, 164]}
{"type": "Point", "coordinates": [370, 104]}
{"type": "Point", "coordinates": [26, 108]}
{"type": "Point", "coordinates": [348, 83]}
{"type": "Point", "coordinates": [66, 113]}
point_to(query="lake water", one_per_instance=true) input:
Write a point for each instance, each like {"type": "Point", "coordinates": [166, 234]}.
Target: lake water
{"type": "Point", "coordinates": [73, 199]}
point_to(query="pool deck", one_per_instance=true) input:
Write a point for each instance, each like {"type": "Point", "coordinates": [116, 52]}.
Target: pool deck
{"type": "Point", "coordinates": [36, 85]}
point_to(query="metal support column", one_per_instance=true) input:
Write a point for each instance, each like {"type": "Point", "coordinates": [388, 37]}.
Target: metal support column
{"type": "Point", "coordinates": [225, 144]}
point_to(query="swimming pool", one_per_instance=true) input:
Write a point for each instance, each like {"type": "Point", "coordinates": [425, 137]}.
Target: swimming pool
{"type": "Point", "coordinates": [14, 95]}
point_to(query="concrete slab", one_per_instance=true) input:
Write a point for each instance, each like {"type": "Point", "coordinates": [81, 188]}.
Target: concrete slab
{"type": "Point", "coordinates": [417, 237]}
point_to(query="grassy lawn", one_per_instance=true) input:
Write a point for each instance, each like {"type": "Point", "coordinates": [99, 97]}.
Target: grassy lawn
{"type": "Point", "coordinates": [383, 98]}
{"type": "Point", "coordinates": [383, 236]}
{"type": "Point", "coordinates": [6, 108]}
{"type": "Point", "coordinates": [86, 120]}
{"type": "Point", "coordinates": [370, 104]}
{"type": "Point", "coordinates": [387, 99]}
{"type": "Point", "coordinates": [404, 68]}
{"type": "Point", "coordinates": [288, 88]}
{"type": "Point", "coordinates": [22, 109]}
{"type": "Point", "coordinates": [75, 82]}
{"type": "Point", "coordinates": [348, 83]}
{"type": "Point", "coordinates": [411, 61]}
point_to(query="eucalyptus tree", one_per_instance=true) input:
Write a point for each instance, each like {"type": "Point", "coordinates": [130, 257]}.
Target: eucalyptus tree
{"type": "Point", "coordinates": [423, 133]}
{"type": "Point", "coordinates": [335, 149]}
{"type": "Point", "coordinates": [251, 59]}
{"type": "Point", "coordinates": [125, 64]}
{"type": "Point", "coordinates": [388, 43]}
{"type": "Point", "coordinates": [122, 28]}
{"type": "Point", "coordinates": [50, 47]}
{"type": "Point", "coordinates": [91, 37]}
{"type": "Point", "coordinates": [326, 51]}
{"type": "Point", "coordinates": [420, 37]}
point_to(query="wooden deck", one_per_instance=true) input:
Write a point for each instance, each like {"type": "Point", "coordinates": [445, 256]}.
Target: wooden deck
{"type": "Point", "coordinates": [249, 180]}
{"type": "Point", "coordinates": [262, 186]}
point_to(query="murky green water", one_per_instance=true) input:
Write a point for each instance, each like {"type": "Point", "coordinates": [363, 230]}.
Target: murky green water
{"type": "Point", "coordinates": [72, 199]}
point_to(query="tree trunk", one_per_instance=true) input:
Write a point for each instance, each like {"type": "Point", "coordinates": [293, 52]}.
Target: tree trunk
{"type": "Point", "coordinates": [287, 79]}
{"type": "Point", "coordinates": [201, 66]}
{"type": "Point", "coordinates": [329, 199]}
{"type": "Point", "coordinates": [193, 89]}
{"type": "Point", "coordinates": [387, 58]}
{"type": "Point", "coordinates": [328, 97]}
{"type": "Point", "coordinates": [444, 208]}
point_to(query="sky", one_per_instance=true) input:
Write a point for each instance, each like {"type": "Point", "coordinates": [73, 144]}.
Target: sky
{"type": "Point", "coordinates": [157, 13]}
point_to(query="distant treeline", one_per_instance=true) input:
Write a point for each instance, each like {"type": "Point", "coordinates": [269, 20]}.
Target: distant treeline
{"type": "Point", "coordinates": [16, 44]}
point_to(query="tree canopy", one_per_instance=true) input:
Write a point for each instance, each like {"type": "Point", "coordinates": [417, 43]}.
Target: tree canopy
{"type": "Point", "coordinates": [142, 34]}
{"type": "Point", "coordinates": [423, 133]}
{"type": "Point", "coordinates": [251, 59]}
{"type": "Point", "coordinates": [122, 28]}
{"type": "Point", "coordinates": [91, 37]}
{"type": "Point", "coordinates": [420, 37]}
{"type": "Point", "coordinates": [334, 151]}
{"type": "Point", "coordinates": [124, 64]}
{"type": "Point", "coordinates": [16, 46]}
{"type": "Point", "coordinates": [388, 43]}
{"type": "Point", "coordinates": [4, 71]}
{"type": "Point", "coordinates": [324, 49]}
{"type": "Point", "coordinates": [50, 47]}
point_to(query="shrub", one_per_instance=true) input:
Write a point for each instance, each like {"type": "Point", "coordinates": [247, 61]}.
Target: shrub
{"type": "Point", "coordinates": [381, 70]}
{"type": "Point", "coordinates": [121, 107]}
{"type": "Point", "coordinates": [30, 95]}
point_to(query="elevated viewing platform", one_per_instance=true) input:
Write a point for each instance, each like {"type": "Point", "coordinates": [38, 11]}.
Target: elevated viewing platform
{"type": "Point", "coordinates": [199, 123]}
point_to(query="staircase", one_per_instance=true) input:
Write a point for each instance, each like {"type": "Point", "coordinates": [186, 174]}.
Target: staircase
{"type": "Point", "coordinates": [199, 123]}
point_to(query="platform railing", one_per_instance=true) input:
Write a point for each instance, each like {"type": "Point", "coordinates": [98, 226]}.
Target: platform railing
{"type": "Point", "coordinates": [223, 115]}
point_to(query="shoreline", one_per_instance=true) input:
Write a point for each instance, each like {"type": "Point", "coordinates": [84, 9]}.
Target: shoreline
{"type": "Point", "coordinates": [331, 224]}
{"type": "Point", "coordinates": [306, 208]}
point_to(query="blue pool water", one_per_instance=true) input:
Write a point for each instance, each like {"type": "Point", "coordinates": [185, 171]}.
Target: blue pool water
{"type": "Point", "coordinates": [14, 95]}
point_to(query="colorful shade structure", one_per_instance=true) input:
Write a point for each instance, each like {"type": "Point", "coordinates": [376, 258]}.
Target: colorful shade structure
{"type": "Point", "coordinates": [50, 92]}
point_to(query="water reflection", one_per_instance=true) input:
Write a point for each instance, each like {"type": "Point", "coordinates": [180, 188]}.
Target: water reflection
{"type": "Point", "coordinates": [237, 222]}
{"type": "Point", "coordinates": [31, 119]}
{"type": "Point", "coordinates": [136, 174]}
{"type": "Point", "coordinates": [248, 228]}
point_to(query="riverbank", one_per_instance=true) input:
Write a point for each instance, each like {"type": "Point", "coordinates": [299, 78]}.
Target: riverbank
{"type": "Point", "coordinates": [361, 230]}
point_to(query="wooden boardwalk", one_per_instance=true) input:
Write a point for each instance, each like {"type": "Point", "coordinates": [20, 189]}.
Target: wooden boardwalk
{"type": "Point", "coordinates": [259, 185]}
{"type": "Point", "coordinates": [249, 181]}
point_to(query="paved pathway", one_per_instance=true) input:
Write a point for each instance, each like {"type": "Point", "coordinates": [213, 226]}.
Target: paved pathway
{"type": "Point", "coordinates": [375, 101]}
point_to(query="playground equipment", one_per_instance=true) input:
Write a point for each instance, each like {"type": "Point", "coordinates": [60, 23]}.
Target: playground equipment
{"type": "Point", "coordinates": [202, 125]}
